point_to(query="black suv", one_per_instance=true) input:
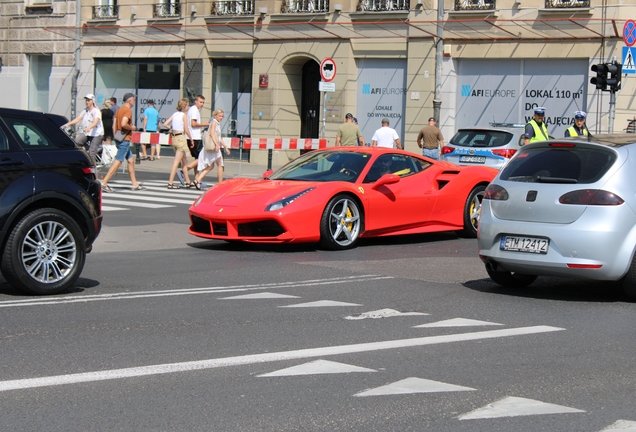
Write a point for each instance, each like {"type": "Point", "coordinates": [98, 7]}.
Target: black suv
{"type": "Point", "coordinates": [50, 203]}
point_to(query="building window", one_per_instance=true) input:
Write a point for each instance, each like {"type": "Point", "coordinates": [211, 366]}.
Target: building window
{"type": "Point", "coordinates": [233, 7]}
{"type": "Point", "coordinates": [555, 4]}
{"type": "Point", "coordinates": [106, 9]}
{"type": "Point", "coordinates": [475, 5]}
{"type": "Point", "coordinates": [304, 6]}
{"type": "Point", "coordinates": [168, 9]}
{"type": "Point", "coordinates": [382, 5]}
{"type": "Point", "coordinates": [39, 75]}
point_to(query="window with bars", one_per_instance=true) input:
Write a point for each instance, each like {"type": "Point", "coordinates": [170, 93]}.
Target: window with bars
{"type": "Point", "coordinates": [382, 5]}
{"type": "Point", "coordinates": [168, 9]}
{"type": "Point", "coordinates": [474, 5]}
{"type": "Point", "coordinates": [233, 7]}
{"type": "Point", "coordinates": [305, 6]}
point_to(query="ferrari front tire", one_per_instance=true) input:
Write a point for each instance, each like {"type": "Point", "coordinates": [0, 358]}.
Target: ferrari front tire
{"type": "Point", "coordinates": [472, 210]}
{"type": "Point", "coordinates": [341, 223]}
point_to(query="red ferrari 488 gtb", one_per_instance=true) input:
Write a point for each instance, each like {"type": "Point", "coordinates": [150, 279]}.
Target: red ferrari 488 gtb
{"type": "Point", "coordinates": [339, 195]}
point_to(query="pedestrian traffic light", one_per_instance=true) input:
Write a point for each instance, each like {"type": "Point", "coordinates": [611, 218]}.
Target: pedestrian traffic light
{"type": "Point", "coordinates": [615, 70]}
{"type": "Point", "coordinates": [607, 74]}
{"type": "Point", "coordinates": [600, 81]}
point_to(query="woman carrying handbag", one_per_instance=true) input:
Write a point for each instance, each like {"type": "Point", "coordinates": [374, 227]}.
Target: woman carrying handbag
{"type": "Point", "coordinates": [207, 158]}
{"type": "Point", "coordinates": [178, 132]}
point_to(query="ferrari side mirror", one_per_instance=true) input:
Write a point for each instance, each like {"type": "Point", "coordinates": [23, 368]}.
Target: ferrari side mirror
{"type": "Point", "coordinates": [386, 179]}
{"type": "Point", "coordinates": [267, 173]}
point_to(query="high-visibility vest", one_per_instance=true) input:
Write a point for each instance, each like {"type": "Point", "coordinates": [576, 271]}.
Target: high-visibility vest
{"type": "Point", "coordinates": [540, 132]}
{"type": "Point", "coordinates": [573, 131]}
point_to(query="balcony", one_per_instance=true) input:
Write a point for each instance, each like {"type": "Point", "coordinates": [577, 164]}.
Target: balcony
{"type": "Point", "coordinates": [476, 5]}
{"type": "Point", "coordinates": [305, 6]}
{"type": "Point", "coordinates": [233, 7]}
{"type": "Point", "coordinates": [382, 5]}
{"type": "Point", "coordinates": [106, 12]}
{"type": "Point", "coordinates": [167, 10]}
{"type": "Point", "coordinates": [558, 4]}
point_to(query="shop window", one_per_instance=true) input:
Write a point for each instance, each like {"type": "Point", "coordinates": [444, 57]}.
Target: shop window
{"type": "Point", "coordinates": [40, 67]}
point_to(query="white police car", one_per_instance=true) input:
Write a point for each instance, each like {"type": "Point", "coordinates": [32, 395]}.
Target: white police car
{"type": "Point", "coordinates": [488, 146]}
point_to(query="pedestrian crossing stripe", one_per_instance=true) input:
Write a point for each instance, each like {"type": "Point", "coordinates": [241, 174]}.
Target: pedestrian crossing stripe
{"type": "Point", "coordinates": [629, 65]}
{"type": "Point", "coordinates": [156, 196]}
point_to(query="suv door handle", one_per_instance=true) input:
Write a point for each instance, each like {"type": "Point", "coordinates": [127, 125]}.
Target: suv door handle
{"type": "Point", "coordinates": [7, 161]}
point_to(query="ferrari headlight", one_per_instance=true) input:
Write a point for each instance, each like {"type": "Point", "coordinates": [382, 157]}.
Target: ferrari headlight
{"type": "Point", "coordinates": [287, 200]}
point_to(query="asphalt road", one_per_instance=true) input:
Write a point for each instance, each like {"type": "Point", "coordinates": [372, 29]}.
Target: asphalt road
{"type": "Point", "coordinates": [168, 332]}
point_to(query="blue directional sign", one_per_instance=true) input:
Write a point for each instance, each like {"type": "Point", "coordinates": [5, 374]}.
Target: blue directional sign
{"type": "Point", "coordinates": [629, 60]}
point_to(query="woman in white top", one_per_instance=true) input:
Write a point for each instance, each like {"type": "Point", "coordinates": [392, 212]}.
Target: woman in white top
{"type": "Point", "coordinates": [91, 126]}
{"type": "Point", "coordinates": [178, 130]}
{"type": "Point", "coordinates": [207, 159]}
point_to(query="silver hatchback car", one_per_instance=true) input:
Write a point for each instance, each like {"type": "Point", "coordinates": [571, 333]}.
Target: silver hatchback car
{"type": "Point", "coordinates": [563, 207]}
{"type": "Point", "coordinates": [491, 147]}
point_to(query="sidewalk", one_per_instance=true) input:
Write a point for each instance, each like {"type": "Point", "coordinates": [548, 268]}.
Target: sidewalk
{"type": "Point", "coordinates": [233, 168]}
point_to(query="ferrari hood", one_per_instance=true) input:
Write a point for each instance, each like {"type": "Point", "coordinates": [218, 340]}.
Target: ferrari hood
{"type": "Point", "coordinates": [257, 192]}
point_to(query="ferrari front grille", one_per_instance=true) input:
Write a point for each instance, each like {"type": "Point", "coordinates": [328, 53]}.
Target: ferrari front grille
{"type": "Point", "coordinates": [268, 228]}
{"type": "Point", "coordinates": [220, 228]}
{"type": "Point", "coordinates": [200, 225]}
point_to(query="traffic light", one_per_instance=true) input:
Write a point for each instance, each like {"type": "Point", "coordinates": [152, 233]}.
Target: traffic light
{"type": "Point", "coordinates": [607, 74]}
{"type": "Point", "coordinates": [600, 81]}
{"type": "Point", "coordinates": [615, 71]}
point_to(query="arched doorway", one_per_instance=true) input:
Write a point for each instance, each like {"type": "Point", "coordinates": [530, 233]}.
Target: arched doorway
{"type": "Point", "coordinates": [310, 100]}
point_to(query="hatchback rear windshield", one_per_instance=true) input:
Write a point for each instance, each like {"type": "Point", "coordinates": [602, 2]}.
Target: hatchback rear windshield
{"type": "Point", "coordinates": [559, 165]}
{"type": "Point", "coordinates": [481, 138]}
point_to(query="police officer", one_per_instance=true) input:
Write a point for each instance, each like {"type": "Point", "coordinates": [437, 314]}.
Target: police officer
{"type": "Point", "coordinates": [578, 128]}
{"type": "Point", "coordinates": [535, 129]}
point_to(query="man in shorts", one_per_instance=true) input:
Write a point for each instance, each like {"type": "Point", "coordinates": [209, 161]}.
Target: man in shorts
{"type": "Point", "coordinates": [123, 122]}
{"type": "Point", "coordinates": [195, 126]}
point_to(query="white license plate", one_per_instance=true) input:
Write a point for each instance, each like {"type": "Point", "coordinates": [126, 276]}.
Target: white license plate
{"type": "Point", "coordinates": [473, 159]}
{"type": "Point", "coordinates": [524, 244]}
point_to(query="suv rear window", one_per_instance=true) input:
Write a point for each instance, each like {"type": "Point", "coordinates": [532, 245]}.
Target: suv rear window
{"type": "Point", "coordinates": [481, 138]}
{"type": "Point", "coordinates": [559, 165]}
{"type": "Point", "coordinates": [40, 135]}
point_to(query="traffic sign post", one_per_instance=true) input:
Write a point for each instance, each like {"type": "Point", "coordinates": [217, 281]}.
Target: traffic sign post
{"type": "Point", "coordinates": [327, 73]}
{"type": "Point", "coordinates": [629, 33]}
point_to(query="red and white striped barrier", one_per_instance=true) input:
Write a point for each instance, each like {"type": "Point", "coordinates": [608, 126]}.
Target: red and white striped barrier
{"type": "Point", "coordinates": [235, 143]}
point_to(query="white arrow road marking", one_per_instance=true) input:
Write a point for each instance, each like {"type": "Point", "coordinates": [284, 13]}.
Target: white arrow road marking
{"type": "Point", "coordinates": [317, 367]}
{"type": "Point", "coordinates": [457, 322]}
{"type": "Point", "coordinates": [413, 385]}
{"type": "Point", "coordinates": [265, 295]}
{"type": "Point", "coordinates": [266, 357]}
{"type": "Point", "coordinates": [382, 313]}
{"type": "Point", "coordinates": [320, 303]}
{"type": "Point", "coordinates": [621, 426]}
{"type": "Point", "coordinates": [516, 406]}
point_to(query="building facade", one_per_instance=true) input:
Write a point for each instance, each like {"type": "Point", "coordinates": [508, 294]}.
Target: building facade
{"type": "Point", "coordinates": [262, 60]}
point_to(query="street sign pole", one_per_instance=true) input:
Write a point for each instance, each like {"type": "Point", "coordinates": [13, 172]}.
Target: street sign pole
{"type": "Point", "coordinates": [327, 73]}
{"type": "Point", "coordinates": [324, 114]}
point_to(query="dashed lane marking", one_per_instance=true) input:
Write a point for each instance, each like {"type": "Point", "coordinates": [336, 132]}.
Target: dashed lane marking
{"type": "Point", "coordinates": [188, 291]}
{"type": "Point", "coordinates": [168, 368]}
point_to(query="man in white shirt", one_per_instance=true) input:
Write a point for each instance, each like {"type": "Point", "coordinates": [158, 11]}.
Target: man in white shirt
{"type": "Point", "coordinates": [386, 136]}
{"type": "Point", "coordinates": [195, 126]}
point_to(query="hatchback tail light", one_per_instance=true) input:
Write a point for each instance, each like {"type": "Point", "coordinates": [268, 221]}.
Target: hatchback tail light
{"type": "Point", "coordinates": [591, 197]}
{"type": "Point", "coordinates": [496, 193]}
{"type": "Point", "coordinates": [505, 153]}
{"type": "Point", "coordinates": [447, 150]}
{"type": "Point", "coordinates": [89, 170]}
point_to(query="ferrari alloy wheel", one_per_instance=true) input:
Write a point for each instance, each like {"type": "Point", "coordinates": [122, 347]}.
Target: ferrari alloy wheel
{"type": "Point", "coordinates": [509, 279]}
{"type": "Point", "coordinates": [472, 211]}
{"type": "Point", "coordinates": [45, 252]}
{"type": "Point", "coordinates": [341, 223]}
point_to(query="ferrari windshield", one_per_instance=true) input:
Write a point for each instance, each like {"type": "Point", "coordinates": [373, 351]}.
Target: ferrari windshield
{"type": "Point", "coordinates": [324, 166]}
